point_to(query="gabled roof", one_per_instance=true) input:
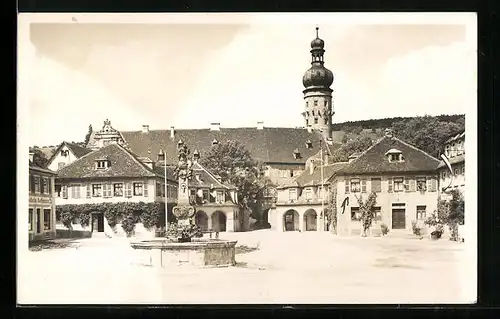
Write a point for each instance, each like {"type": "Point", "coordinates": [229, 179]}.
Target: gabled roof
{"type": "Point", "coordinates": [374, 160]}
{"type": "Point", "coordinates": [269, 145]}
{"type": "Point", "coordinates": [312, 179]}
{"type": "Point", "coordinates": [35, 167]}
{"type": "Point", "coordinates": [206, 178]}
{"type": "Point", "coordinates": [123, 163]}
{"type": "Point", "coordinates": [76, 149]}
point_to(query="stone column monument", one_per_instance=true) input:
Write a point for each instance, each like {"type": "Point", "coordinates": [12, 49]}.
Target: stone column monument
{"type": "Point", "coordinates": [183, 172]}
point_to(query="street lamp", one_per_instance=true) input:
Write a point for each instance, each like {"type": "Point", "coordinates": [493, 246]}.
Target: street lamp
{"type": "Point", "coordinates": [162, 157]}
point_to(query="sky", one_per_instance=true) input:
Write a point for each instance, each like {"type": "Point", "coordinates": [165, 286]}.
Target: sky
{"type": "Point", "coordinates": [188, 75]}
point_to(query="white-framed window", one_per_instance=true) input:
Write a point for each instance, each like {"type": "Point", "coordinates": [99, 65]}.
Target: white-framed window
{"type": "Point", "coordinates": [399, 184]}
{"type": "Point", "coordinates": [37, 184]}
{"type": "Point", "coordinates": [96, 190]}
{"type": "Point", "coordinates": [118, 189]}
{"type": "Point", "coordinates": [60, 165]}
{"type": "Point", "coordinates": [64, 190]}
{"type": "Point", "coordinates": [309, 194]}
{"type": "Point", "coordinates": [355, 185]}
{"type": "Point", "coordinates": [102, 164]}
{"type": "Point", "coordinates": [421, 184]}
{"type": "Point", "coordinates": [292, 194]}
{"type": "Point", "coordinates": [355, 214]}
{"type": "Point", "coordinates": [463, 169]}
{"type": "Point", "coordinates": [421, 212]}
{"type": "Point", "coordinates": [315, 120]}
{"type": "Point", "coordinates": [378, 213]}
{"type": "Point", "coordinates": [456, 171]}
{"type": "Point", "coordinates": [138, 189]}
{"type": "Point", "coordinates": [107, 190]}
{"type": "Point", "coordinates": [315, 102]}
{"type": "Point", "coordinates": [45, 185]}
{"type": "Point", "coordinates": [75, 191]}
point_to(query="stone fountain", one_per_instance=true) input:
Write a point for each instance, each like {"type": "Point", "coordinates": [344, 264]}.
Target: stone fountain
{"type": "Point", "coordinates": [183, 248]}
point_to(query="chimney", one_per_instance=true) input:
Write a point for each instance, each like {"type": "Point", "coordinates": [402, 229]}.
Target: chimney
{"type": "Point", "coordinates": [31, 156]}
{"type": "Point", "coordinates": [172, 132]}
{"type": "Point", "coordinates": [260, 125]}
{"type": "Point", "coordinates": [388, 132]}
{"type": "Point", "coordinates": [214, 126]}
{"type": "Point", "coordinates": [145, 128]}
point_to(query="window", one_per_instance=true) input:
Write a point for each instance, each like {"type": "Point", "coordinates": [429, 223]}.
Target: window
{"type": "Point", "coordinates": [30, 219]}
{"type": "Point", "coordinates": [309, 195]}
{"type": "Point", "coordinates": [46, 219]}
{"type": "Point", "coordinates": [45, 185]}
{"type": "Point", "coordinates": [107, 190]}
{"type": "Point", "coordinates": [355, 185]}
{"type": "Point", "coordinates": [443, 174]}
{"type": "Point", "coordinates": [118, 189]}
{"type": "Point", "coordinates": [102, 164]}
{"type": "Point", "coordinates": [326, 103]}
{"type": "Point", "coordinates": [421, 184]}
{"type": "Point", "coordinates": [355, 214]}
{"type": "Point", "coordinates": [307, 122]}
{"type": "Point", "coordinates": [463, 170]}
{"type": "Point", "coordinates": [315, 120]}
{"type": "Point", "coordinates": [96, 190]}
{"type": "Point", "coordinates": [138, 189]}
{"type": "Point", "coordinates": [376, 184]}
{"type": "Point", "coordinates": [158, 189]}
{"type": "Point", "coordinates": [37, 184]}
{"type": "Point", "coordinates": [456, 171]}
{"type": "Point", "coordinates": [292, 194]}
{"type": "Point", "coordinates": [220, 197]}
{"type": "Point", "coordinates": [315, 102]}
{"type": "Point", "coordinates": [394, 157]}
{"type": "Point", "coordinates": [31, 184]}
{"type": "Point", "coordinates": [60, 165]}
{"type": "Point", "coordinates": [206, 195]}
{"type": "Point", "coordinates": [75, 191]}
{"type": "Point", "coordinates": [291, 173]}
{"type": "Point", "coordinates": [398, 184]}
{"type": "Point", "coordinates": [307, 104]}
{"type": "Point", "coordinates": [421, 212]}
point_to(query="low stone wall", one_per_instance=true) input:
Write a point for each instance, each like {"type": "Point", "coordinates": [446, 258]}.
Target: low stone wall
{"type": "Point", "coordinates": [200, 253]}
{"type": "Point", "coordinates": [66, 233]}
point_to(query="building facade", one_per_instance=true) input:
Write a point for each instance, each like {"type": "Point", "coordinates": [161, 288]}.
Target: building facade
{"type": "Point", "coordinates": [216, 203]}
{"type": "Point", "coordinates": [42, 209]}
{"type": "Point", "coordinates": [112, 174]}
{"type": "Point", "coordinates": [454, 152]}
{"type": "Point", "coordinates": [65, 154]}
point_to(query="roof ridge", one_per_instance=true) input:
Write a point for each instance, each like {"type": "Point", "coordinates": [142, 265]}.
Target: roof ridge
{"type": "Point", "coordinates": [80, 158]}
{"type": "Point", "coordinates": [363, 153]}
{"type": "Point", "coordinates": [211, 175]}
{"type": "Point", "coordinates": [416, 148]}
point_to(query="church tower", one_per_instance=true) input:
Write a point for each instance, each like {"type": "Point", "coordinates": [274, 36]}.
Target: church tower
{"type": "Point", "coordinates": [318, 94]}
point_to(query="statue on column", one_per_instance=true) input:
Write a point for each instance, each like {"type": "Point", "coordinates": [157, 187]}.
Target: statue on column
{"type": "Point", "coordinates": [183, 172]}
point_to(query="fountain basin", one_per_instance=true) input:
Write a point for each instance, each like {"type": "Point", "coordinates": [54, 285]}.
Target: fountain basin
{"type": "Point", "coordinates": [197, 253]}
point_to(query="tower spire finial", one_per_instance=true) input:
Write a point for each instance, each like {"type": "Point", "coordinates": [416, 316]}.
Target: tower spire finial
{"type": "Point", "coordinates": [317, 35]}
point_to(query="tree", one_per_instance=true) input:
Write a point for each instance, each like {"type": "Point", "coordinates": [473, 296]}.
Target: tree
{"type": "Point", "coordinates": [233, 163]}
{"type": "Point", "coordinates": [450, 213]}
{"type": "Point", "coordinates": [39, 158]}
{"type": "Point", "coordinates": [87, 137]}
{"type": "Point", "coordinates": [427, 133]}
{"type": "Point", "coordinates": [359, 144]}
{"type": "Point", "coordinates": [367, 210]}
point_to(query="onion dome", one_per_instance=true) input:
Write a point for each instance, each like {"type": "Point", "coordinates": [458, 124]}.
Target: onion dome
{"type": "Point", "coordinates": [317, 75]}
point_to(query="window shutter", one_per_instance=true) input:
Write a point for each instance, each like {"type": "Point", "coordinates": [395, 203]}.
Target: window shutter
{"type": "Point", "coordinates": [433, 185]}
{"type": "Point", "coordinates": [413, 185]}
{"type": "Point", "coordinates": [347, 186]}
{"type": "Point", "coordinates": [89, 190]}
{"type": "Point", "coordinates": [389, 184]}
{"type": "Point", "coordinates": [65, 191]}
{"type": "Point", "coordinates": [32, 183]}
{"type": "Point", "coordinates": [49, 185]}
{"type": "Point", "coordinates": [363, 185]}
{"type": "Point", "coordinates": [429, 184]}
{"type": "Point", "coordinates": [128, 190]}
{"type": "Point", "coordinates": [146, 189]}
{"type": "Point", "coordinates": [407, 184]}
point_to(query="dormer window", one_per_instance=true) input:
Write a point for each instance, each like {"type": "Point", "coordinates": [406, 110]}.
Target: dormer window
{"type": "Point", "coordinates": [64, 153]}
{"type": "Point", "coordinates": [394, 155]}
{"type": "Point", "coordinates": [215, 142]}
{"type": "Point", "coordinates": [102, 164]}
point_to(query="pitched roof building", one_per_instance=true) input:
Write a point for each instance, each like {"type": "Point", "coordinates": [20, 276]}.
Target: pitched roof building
{"type": "Point", "coordinates": [66, 153]}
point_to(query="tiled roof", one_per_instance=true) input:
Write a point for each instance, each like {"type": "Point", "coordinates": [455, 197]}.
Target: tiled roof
{"type": "Point", "coordinates": [270, 145]}
{"type": "Point", "coordinates": [309, 179]}
{"type": "Point", "coordinates": [453, 160]}
{"type": "Point", "coordinates": [33, 166]}
{"type": "Point", "coordinates": [374, 160]}
{"type": "Point", "coordinates": [206, 179]}
{"type": "Point", "coordinates": [77, 149]}
{"type": "Point", "coordinates": [123, 163]}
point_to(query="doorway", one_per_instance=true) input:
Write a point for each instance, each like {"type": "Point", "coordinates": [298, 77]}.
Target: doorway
{"type": "Point", "coordinates": [398, 218]}
{"type": "Point", "coordinates": [98, 222]}
{"type": "Point", "coordinates": [219, 221]}
{"type": "Point", "coordinates": [38, 226]}
{"type": "Point", "coordinates": [291, 220]}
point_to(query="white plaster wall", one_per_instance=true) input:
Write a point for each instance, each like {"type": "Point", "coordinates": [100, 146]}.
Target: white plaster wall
{"type": "Point", "coordinates": [65, 159]}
